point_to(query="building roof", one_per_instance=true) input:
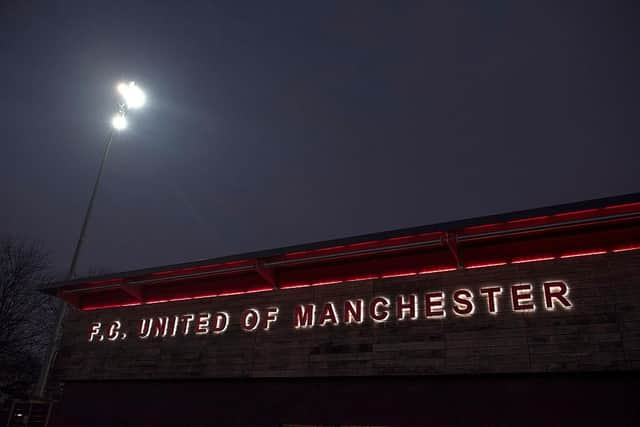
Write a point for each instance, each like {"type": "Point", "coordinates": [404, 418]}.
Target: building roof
{"type": "Point", "coordinates": [605, 224]}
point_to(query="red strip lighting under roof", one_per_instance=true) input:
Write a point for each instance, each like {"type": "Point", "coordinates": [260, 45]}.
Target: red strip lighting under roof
{"type": "Point", "coordinates": [370, 277]}
{"type": "Point", "coordinates": [389, 276]}
{"type": "Point", "coordinates": [579, 254]}
{"type": "Point", "coordinates": [98, 307]}
{"type": "Point", "coordinates": [437, 270]}
{"type": "Point", "coordinates": [535, 259]}
{"type": "Point", "coordinates": [487, 264]}
{"type": "Point", "coordinates": [611, 229]}
{"type": "Point", "coordinates": [627, 248]}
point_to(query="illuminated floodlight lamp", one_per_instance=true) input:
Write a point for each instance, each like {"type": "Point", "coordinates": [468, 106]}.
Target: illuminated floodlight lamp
{"type": "Point", "coordinates": [119, 122]}
{"type": "Point", "coordinates": [133, 96]}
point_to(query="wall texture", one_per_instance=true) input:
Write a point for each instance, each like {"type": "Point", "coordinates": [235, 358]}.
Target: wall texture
{"type": "Point", "coordinates": [601, 332]}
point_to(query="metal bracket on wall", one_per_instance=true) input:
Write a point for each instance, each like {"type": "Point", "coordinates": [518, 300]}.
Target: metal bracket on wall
{"type": "Point", "coordinates": [133, 290]}
{"type": "Point", "coordinates": [451, 240]}
{"type": "Point", "coordinates": [267, 274]}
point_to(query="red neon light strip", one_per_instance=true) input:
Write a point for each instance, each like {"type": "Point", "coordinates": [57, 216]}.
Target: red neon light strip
{"type": "Point", "coordinates": [207, 296]}
{"type": "Point", "coordinates": [251, 291]}
{"type": "Point", "coordinates": [489, 264]}
{"type": "Point", "coordinates": [437, 270]}
{"type": "Point", "coordinates": [370, 277]}
{"type": "Point", "coordinates": [328, 282]}
{"type": "Point", "coordinates": [161, 301]}
{"type": "Point", "coordinates": [626, 248]}
{"type": "Point", "coordinates": [180, 299]}
{"type": "Point", "coordinates": [212, 268]}
{"type": "Point", "coordinates": [295, 286]}
{"type": "Point", "coordinates": [98, 307]}
{"type": "Point", "coordinates": [579, 254]}
{"type": "Point", "coordinates": [388, 276]}
{"type": "Point", "coordinates": [358, 279]}
{"type": "Point", "coordinates": [524, 260]}
{"type": "Point", "coordinates": [226, 294]}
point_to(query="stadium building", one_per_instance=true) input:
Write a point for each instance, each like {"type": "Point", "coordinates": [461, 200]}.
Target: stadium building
{"type": "Point", "coordinates": [526, 318]}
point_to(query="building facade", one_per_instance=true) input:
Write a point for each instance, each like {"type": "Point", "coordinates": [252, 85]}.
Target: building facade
{"type": "Point", "coordinates": [525, 318]}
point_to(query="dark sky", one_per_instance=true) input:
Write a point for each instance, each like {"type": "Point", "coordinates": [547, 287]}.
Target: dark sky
{"type": "Point", "coordinates": [274, 123]}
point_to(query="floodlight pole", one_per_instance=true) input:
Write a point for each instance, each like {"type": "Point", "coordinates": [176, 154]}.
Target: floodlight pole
{"type": "Point", "coordinates": [87, 215]}
{"type": "Point", "coordinates": [53, 346]}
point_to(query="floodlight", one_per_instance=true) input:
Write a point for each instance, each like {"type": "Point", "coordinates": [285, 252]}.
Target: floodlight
{"type": "Point", "coordinates": [119, 122]}
{"type": "Point", "coordinates": [133, 96]}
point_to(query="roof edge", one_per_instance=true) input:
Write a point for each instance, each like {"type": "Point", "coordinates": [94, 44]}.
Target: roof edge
{"type": "Point", "coordinates": [442, 226]}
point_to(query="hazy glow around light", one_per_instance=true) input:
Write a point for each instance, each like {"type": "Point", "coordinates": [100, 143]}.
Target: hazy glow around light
{"type": "Point", "coordinates": [133, 96]}
{"type": "Point", "coordinates": [119, 122]}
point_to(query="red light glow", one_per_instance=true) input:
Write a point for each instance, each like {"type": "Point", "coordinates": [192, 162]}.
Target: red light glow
{"type": "Point", "coordinates": [163, 273]}
{"type": "Point", "coordinates": [328, 282]}
{"type": "Point", "coordinates": [206, 296]}
{"type": "Point", "coordinates": [212, 268]}
{"type": "Point", "coordinates": [388, 276]}
{"type": "Point", "coordinates": [358, 279]}
{"type": "Point", "coordinates": [295, 286]}
{"type": "Point", "coordinates": [579, 254]}
{"type": "Point", "coordinates": [98, 307]}
{"type": "Point", "coordinates": [161, 301]}
{"type": "Point", "coordinates": [357, 245]}
{"type": "Point", "coordinates": [294, 254]}
{"type": "Point", "coordinates": [488, 264]}
{"type": "Point", "coordinates": [437, 270]}
{"type": "Point", "coordinates": [398, 239]}
{"type": "Point", "coordinates": [524, 260]}
{"type": "Point", "coordinates": [593, 243]}
{"type": "Point", "coordinates": [586, 211]}
{"type": "Point", "coordinates": [251, 291]}
{"type": "Point", "coordinates": [228, 294]}
{"type": "Point", "coordinates": [627, 248]}
{"type": "Point", "coordinates": [180, 299]}
{"type": "Point", "coordinates": [332, 248]}
{"type": "Point", "coordinates": [535, 218]}
{"type": "Point", "coordinates": [627, 205]}
{"type": "Point", "coordinates": [431, 235]}
{"type": "Point", "coordinates": [481, 227]}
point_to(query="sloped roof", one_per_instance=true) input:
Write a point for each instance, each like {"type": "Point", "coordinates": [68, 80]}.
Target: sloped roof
{"type": "Point", "coordinates": [604, 224]}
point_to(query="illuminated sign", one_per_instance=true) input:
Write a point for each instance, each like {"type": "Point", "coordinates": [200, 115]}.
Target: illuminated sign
{"type": "Point", "coordinates": [462, 302]}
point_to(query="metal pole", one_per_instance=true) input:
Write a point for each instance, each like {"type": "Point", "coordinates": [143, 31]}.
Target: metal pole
{"type": "Point", "coordinates": [53, 346]}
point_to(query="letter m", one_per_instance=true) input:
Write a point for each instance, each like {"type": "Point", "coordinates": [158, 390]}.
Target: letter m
{"type": "Point", "coordinates": [305, 316]}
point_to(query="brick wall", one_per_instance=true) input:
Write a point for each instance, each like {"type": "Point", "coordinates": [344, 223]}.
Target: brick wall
{"type": "Point", "coordinates": [600, 333]}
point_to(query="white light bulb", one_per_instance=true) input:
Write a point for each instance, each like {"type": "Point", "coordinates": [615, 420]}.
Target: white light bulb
{"type": "Point", "coordinates": [133, 96]}
{"type": "Point", "coordinates": [119, 122]}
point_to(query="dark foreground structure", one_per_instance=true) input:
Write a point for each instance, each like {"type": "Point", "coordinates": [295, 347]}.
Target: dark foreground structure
{"type": "Point", "coordinates": [529, 318]}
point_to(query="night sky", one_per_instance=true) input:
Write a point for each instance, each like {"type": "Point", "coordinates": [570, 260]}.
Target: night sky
{"type": "Point", "coordinates": [273, 123]}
